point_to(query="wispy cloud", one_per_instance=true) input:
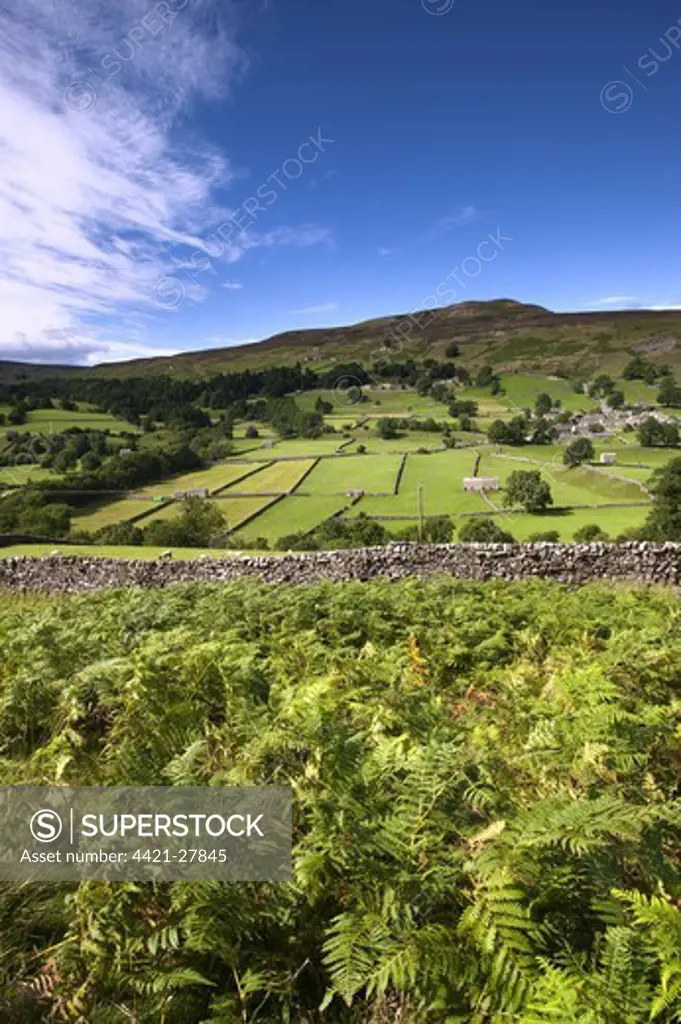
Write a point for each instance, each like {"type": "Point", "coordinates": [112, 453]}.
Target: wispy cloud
{"type": "Point", "coordinates": [232, 286]}
{"type": "Point", "coordinates": [467, 215]}
{"type": "Point", "coordinates": [623, 301]}
{"type": "Point", "coordinates": [316, 182]}
{"type": "Point", "coordinates": [100, 179]}
{"type": "Point", "coordinates": [628, 302]}
{"type": "Point", "coordinates": [324, 307]}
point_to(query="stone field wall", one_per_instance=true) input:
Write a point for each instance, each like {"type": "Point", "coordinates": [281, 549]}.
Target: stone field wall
{"type": "Point", "coordinates": [566, 563]}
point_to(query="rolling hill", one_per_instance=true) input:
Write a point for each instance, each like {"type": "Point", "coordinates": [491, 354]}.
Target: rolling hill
{"type": "Point", "coordinates": [507, 334]}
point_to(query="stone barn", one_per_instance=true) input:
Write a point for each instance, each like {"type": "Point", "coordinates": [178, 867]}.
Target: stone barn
{"type": "Point", "coordinates": [481, 483]}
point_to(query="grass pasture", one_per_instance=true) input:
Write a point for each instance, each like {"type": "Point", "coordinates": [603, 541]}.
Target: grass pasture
{"type": "Point", "coordinates": [19, 476]}
{"type": "Point", "coordinates": [235, 510]}
{"type": "Point", "coordinates": [215, 478]}
{"type": "Point", "coordinates": [613, 521]}
{"type": "Point", "coordinates": [54, 421]}
{"type": "Point", "coordinates": [297, 448]}
{"type": "Point", "coordinates": [377, 403]}
{"type": "Point", "coordinates": [109, 551]}
{"type": "Point", "coordinates": [277, 478]}
{"type": "Point", "coordinates": [292, 515]}
{"type": "Point", "coordinates": [521, 390]}
{"type": "Point", "coordinates": [93, 519]}
{"type": "Point", "coordinates": [580, 486]}
{"type": "Point", "coordinates": [371, 473]}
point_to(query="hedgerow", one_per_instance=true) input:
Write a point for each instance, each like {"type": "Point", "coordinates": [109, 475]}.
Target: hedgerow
{"type": "Point", "coordinates": [487, 820]}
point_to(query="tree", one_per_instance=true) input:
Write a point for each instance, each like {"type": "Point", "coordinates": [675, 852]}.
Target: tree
{"type": "Point", "coordinates": [543, 432]}
{"type": "Point", "coordinates": [452, 350]}
{"type": "Point", "coordinates": [670, 393]}
{"type": "Point", "coordinates": [463, 407]}
{"type": "Point", "coordinates": [652, 433]}
{"type": "Point", "coordinates": [251, 432]}
{"type": "Point", "coordinates": [51, 520]}
{"type": "Point", "coordinates": [508, 432]}
{"type": "Point", "coordinates": [590, 534]}
{"type": "Point", "coordinates": [664, 520]}
{"type": "Point", "coordinates": [438, 530]}
{"type": "Point", "coordinates": [484, 531]}
{"type": "Point", "coordinates": [543, 404]}
{"type": "Point", "coordinates": [639, 368]}
{"type": "Point", "coordinates": [526, 488]}
{"type": "Point", "coordinates": [199, 525]}
{"type": "Point", "coordinates": [387, 429]}
{"type": "Point", "coordinates": [90, 462]}
{"type": "Point", "coordinates": [65, 460]}
{"type": "Point", "coordinates": [616, 399]}
{"type": "Point", "coordinates": [602, 385]}
{"type": "Point", "coordinates": [28, 510]}
{"type": "Point", "coordinates": [17, 415]}
{"type": "Point", "coordinates": [578, 451]}
{"type": "Point", "coordinates": [545, 537]}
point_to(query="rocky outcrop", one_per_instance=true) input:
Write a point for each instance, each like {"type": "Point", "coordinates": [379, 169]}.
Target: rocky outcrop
{"type": "Point", "coordinates": [566, 563]}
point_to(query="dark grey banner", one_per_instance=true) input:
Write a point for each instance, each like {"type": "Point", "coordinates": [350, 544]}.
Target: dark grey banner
{"type": "Point", "coordinates": [145, 833]}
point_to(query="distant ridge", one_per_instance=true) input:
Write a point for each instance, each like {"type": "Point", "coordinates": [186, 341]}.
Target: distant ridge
{"type": "Point", "coordinates": [503, 332]}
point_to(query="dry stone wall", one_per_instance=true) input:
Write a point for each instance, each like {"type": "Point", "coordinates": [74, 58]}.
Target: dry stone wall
{"type": "Point", "coordinates": [566, 563]}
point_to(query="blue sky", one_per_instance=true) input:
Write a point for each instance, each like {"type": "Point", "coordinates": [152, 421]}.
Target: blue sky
{"type": "Point", "coordinates": [194, 173]}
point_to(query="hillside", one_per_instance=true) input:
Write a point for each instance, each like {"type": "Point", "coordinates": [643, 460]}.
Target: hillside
{"type": "Point", "coordinates": [508, 334]}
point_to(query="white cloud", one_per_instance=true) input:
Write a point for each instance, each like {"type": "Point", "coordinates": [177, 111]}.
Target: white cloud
{"type": "Point", "coordinates": [99, 173]}
{"type": "Point", "coordinates": [79, 351]}
{"type": "Point", "coordinates": [325, 307]}
{"type": "Point", "coordinates": [467, 215]}
{"type": "Point", "coordinates": [232, 286]}
{"type": "Point", "coordinates": [628, 301]}
{"type": "Point", "coordinates": [383, 251]}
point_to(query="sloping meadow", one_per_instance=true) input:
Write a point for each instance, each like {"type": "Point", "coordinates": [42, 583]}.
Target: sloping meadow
{"type": "Point", "coordinates": [487, 815]}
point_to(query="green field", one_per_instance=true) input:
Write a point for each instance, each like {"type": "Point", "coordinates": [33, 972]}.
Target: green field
{"type": "Point", "coordinates": [613, 521]}
{"type": "Point", "coordinates": [278, 478]}
{"type": "Point", "coordinates": [438, 472]}
{"type": "Point", "coordinates": [18, 476]}
{"type": "Point", "coordinates": [93, 519]}
{"type": "Point", "coordinates": [521, 390]}
{"type": "Point", "coordinates": [377, 403]}
{"type": "Point", "coordinates": [54, 421]}
{"type": "Point", "coordinates": [109, 551]}
{"type": "Point", "coordinates": [215, 478]}
{"type": "Point", "coordinates": [372, 473]}
{"type": "Point", "coordinates": [292, 515]}
{"type": "Point", "coordinates": [580, 486]}
{"type": "Point", "coordinates": [235, 510]}
{"type": "Point", "coordinates": [298, 448]}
